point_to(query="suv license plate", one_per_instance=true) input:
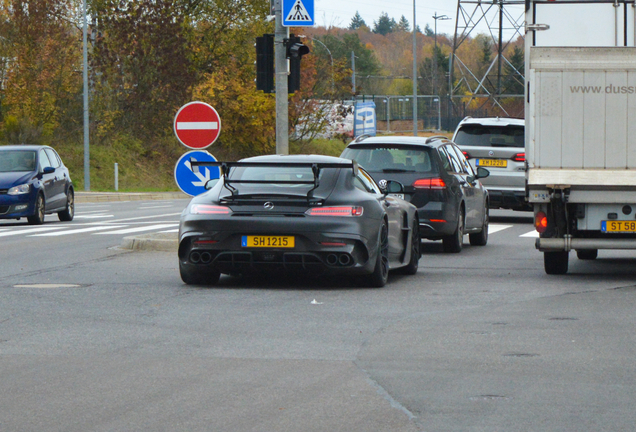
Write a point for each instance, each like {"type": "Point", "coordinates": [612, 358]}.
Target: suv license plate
{"type": "Point", "coordinates": [268, 241]}
{"type": "Point", "coordinates": [500, 163]}
{"type": "Point", "coordinates": [618, 226]}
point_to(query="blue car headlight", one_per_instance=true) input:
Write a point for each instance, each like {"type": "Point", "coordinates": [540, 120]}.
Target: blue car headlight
{"type": "Point", "coordinates": [19, 190]}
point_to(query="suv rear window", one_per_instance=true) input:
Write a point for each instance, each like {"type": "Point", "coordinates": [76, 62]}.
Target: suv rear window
{"type": "Point", "coordinates": [490, 136]}
{"type": "Point", "coordinates": [392, 158]}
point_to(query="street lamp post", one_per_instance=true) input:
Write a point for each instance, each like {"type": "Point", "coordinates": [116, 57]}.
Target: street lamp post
{"type": "Point", "coordinates": [443, 18]}
{"type": "Point", "coordinates": [333, 86]}
{"type": "Point", "coordinates": [87, 164]}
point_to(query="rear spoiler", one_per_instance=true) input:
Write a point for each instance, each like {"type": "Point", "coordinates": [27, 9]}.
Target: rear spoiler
{"type": "Point", "coordinates": [315, 168]}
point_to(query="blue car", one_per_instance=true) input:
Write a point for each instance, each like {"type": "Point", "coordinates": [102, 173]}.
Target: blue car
{"type": "Point", "coordinates": [34, 182]}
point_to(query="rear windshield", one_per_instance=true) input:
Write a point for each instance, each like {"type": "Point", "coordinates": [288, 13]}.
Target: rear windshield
{"type": "Point", "coordinates": [490, 136]}
{"type": "Point", "coordinates": [17, 160]}
{"type": "Point", "coordinates": [280, 180]}
{"type": "Point", "coordinates": [392, 158]}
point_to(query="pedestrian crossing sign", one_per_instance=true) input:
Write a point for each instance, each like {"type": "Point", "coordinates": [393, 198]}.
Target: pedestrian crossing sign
{"type": "Point", "coordinates": [298, 13]}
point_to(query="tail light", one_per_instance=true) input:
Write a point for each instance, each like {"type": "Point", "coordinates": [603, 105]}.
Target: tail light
{"type": "Point", "coordinates": [335, 211]}
{"type": "Point", "coordinates": [519, 157]}
{"type": "Point", "coordinates": [541, 222]}
{"type": "Point", "coordinates": [466, 154]}
{"type": "Point", "coordinates": [430, 183]}
{"type": "Point", "coordinates": [209, 209]}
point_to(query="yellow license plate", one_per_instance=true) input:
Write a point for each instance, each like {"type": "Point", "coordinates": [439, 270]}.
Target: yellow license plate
{"type": "Point", "coordinates": [500, 163]}
{"type": "Point", "coordinates": [618, 226]}
{"type": "Point", "coordinates": [268, 241]}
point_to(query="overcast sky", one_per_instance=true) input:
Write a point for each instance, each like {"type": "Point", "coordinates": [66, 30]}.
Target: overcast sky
{"type": "Point", "coordinates": [339, 12]}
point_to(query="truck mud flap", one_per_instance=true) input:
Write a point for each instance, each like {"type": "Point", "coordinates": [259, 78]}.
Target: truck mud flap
{"type": "Point", "coordinates": [567, 244]}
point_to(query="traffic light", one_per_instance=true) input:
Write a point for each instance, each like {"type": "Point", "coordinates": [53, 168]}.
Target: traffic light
{"type": "Point", "coordinates": [295, 50]}
{"type": "Point", "coordinates": [265, 63]}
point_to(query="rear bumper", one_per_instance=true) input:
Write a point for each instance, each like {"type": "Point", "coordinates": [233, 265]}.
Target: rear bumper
{"type": "Point", "coordinates": [508, 199]}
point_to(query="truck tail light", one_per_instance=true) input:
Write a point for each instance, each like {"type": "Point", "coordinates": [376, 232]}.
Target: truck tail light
{"type": "Point", "coordinates": [541, 222]}
{"type": "Point", "coordinates": [429, 183]}
{"type": "Point", "coordinates": [519, 157]}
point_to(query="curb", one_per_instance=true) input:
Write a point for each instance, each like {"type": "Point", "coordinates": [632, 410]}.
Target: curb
{"type": "Point", "coordinates": [90, 197]}
{"type": "Point", "coordinates": [163, 242]}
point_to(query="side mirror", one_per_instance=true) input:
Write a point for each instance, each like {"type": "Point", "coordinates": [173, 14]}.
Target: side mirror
{"type": "Point", "coordinates": [393, 187]}
{"type": "Point", "coordinates": [482, 173]}
{"type": "Point", "coordinates": [48, 170]}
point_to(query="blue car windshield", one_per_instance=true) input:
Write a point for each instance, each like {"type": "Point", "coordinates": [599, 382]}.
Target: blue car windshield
{"type": "Point", "coordinates": [17, 160]}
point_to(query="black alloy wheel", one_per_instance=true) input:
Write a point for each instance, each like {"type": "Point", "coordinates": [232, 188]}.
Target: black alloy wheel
{"type": "Point", "coordinates": [380, 274]}
{"type": "Point", "coordinates": [411, 267]}
{"type": "Point", "coordinates": [454, 242]}
{"type": "Point", "coordinates": [481, 238]}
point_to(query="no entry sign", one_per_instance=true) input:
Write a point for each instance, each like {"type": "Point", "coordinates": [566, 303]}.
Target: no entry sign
{"type": "Point", "coordinates": [197, 125]}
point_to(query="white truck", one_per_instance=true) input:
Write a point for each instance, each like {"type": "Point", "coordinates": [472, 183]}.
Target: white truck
{"type": "Point", "coordinates": [580, 68]}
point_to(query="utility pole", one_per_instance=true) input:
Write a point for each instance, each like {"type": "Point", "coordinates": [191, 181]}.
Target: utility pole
{"type": "Point", "coordinates": [87, 164]}
{"type": "Point", "coordinates": [414, 73]}
{"type": "Point", "coordinates": [281, 72]}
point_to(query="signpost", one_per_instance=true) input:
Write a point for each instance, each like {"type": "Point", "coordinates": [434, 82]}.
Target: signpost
{"type": "Point", "coordinates": [298, 13]}
{"type": "Point", "coordinates": [191, 180]}
{"type": "Point", "coordinates": [197, 125]}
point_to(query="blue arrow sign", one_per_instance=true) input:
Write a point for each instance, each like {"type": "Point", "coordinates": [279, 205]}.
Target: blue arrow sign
{"type": "Point", "coordinates": [298, 13]}
{"type": "Point", "coordinates": [191, 180]}
{"type": "Point", "coordinates": [364, 119]}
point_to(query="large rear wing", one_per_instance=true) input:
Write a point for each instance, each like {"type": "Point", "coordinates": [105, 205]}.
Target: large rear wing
{"type": "Point", "coordinates": [316, 167]}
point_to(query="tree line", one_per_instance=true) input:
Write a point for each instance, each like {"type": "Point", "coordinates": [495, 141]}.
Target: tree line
{"type": "Point", "coordinates": [149, 57]}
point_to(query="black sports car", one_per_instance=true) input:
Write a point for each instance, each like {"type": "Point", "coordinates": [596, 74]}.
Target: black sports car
{"type": "Point", "coordinates": [297, 213]}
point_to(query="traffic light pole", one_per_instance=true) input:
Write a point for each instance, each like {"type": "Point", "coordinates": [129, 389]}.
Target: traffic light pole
{"type": "Point", "coordinates": [281, 73]}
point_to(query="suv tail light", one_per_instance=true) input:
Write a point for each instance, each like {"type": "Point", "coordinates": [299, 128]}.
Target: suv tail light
{"type": "Point", "coordinates": [519, 157]}
{"type": "Point", "coordinates": [429, 183]}
{"type": "Point", "coordinates": [466, 154]}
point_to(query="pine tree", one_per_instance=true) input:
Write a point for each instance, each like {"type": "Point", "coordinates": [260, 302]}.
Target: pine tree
{"type": "Point", "coordinates": [384, 25]}
{"type": "Point", "coordinates": [403, 25]}
{"type": "Point", "coordinates": [357, 22]}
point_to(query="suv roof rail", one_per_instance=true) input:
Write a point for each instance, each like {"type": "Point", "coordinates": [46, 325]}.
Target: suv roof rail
{"type": "Point", "coordinates": [435, 138]}
{"type": "Point", "coordinates": [361, 137]}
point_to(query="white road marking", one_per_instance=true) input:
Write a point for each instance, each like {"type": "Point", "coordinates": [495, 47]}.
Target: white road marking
{"type": "Point", "coordinates": [93, 216]}
{"type": "Point", "coordinates": [91, 211]}
{"type": "Point", "coordinates": [145, 217]}
{"type": "Point", "coordinates": [77, 231]}
{"type": "Point", "coordinates": [155, 207]}
{"type": "Point", "coordinates": [138, 229]}
{"type": "Point", "coordinates": [170, 231]}
{"type": "Point", "coordinates": [30, 230]}
{"type": "Point", "coordinates": [493, 228]}
{"type": "Point", "coordinates": [531, 234]}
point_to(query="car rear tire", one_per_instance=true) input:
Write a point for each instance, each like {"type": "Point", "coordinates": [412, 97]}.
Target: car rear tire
{"type": "Point", "coordinates": [68, 213]}
{"type": "Point", "coordinates": [587, 254]}
{"type": "Point", "coordinates": [555, 263]}
{"type": "Point", "coordinates": [411, 267]}
{"type": "Point", "coordinates": [38, 216]}
{"type": "Point", "coordinates": [202, 276]}
{"type": "Point", "coordinates": [454, 242]}
{"type": "Point", "coordinates": [481, 238]}
{"type": "Point", "coordinates": [380, 274]}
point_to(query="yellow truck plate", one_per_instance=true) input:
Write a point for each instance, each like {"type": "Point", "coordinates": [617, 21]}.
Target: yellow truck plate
{"type": "Point", "coordinates": [268, 241]}
{"type": "Point", "coordinates": [615, 226]}
{"type": "Point", "coordinates": [500, 163]}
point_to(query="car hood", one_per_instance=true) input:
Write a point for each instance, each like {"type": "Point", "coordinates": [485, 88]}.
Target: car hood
{"type": "Point", "coordinates": [10, 179]}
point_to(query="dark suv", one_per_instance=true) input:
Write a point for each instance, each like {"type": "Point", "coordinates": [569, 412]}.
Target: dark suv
{"type": "Point", "coordinates": [437, 179]}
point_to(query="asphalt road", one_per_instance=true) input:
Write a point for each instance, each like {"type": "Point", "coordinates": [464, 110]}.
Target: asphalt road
{"type": "Point", "coordinates": [97, 338]}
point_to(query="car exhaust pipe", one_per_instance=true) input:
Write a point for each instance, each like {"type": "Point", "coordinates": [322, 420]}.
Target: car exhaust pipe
{"type": "Point", "coordinates": [332, 259]}
{"type": "Point", "coordinates": [195, 257]}
{"type": "Point", "coordinates": [344, 260]}
{"type": "Point", "coordinates": [206, 257]}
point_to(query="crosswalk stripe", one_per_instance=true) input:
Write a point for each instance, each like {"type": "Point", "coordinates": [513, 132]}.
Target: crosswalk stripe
{"type": "Point", "coordinates": [93, 216]}
{"type": "Point", "coordinates": [77, 231]}
{"type": "Point", "coordinates": [176, 230]}
{"type": "Point", "coordinates": [30, 230]}
{"type": "Point", "coordinates": [531, 234]}
{"type": "Point", "coordinates": [493, 228]}
{"type": "Point", "coordinates": [139, 229]}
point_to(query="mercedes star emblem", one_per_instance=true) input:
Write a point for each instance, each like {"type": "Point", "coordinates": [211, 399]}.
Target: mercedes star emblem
{"type": "Point", "coordinates": [268, 205]}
